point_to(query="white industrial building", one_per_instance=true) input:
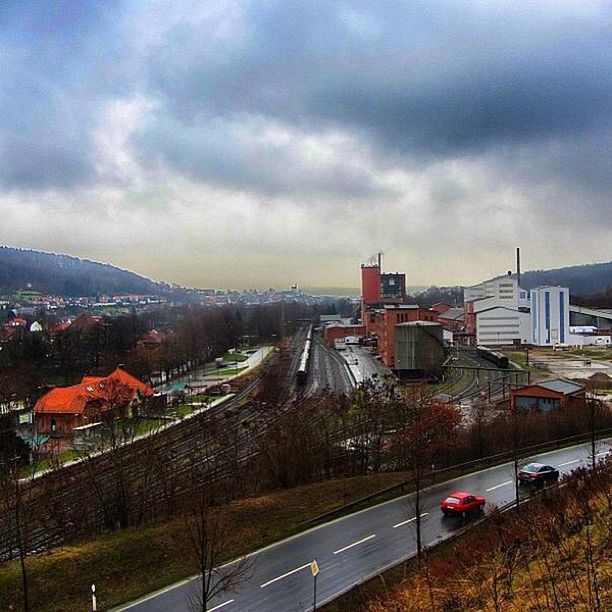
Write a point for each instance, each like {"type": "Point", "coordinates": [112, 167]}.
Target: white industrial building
{"type": "Point", "coordinates": [499, 325]}
{"type": "Point", "coordinates": [501, 290]}
{"type": "Point", "coordinates": [506, 314]}
{"type": "Point", "coordinates": [501, 310]}
{"type": "Point", "coordinates": [549, 316]}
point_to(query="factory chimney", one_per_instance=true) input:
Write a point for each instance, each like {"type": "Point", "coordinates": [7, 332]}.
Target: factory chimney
{"type": "Point", "coordinates": [518, 265]}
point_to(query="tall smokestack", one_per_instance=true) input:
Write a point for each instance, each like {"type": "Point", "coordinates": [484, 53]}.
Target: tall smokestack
{"type": "Point", "coordinates": [380, 262]}
{"type": "Point", "coordinates": [518, 265]}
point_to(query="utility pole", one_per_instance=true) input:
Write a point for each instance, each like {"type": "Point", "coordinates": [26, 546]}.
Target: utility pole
{"type": "Point", "coordinates": [592, 411]}
{"type": "Point", "coordinates": [515, 455]}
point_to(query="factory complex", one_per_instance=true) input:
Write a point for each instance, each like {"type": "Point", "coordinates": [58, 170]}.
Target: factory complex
{"type": "Point", "coordinates": [413, 341]}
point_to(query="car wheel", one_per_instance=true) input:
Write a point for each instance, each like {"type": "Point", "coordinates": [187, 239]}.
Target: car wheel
{"type": "Point", "coordinates": [445, 512]}
{"type": "Point", "coordinates": [481, 507]}
{"type": "Point", "coordinates": [464, 514]}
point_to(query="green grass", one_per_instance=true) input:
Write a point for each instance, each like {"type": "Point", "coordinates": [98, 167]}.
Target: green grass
{"type": "Point", "coordinates": [520, 359]}
{"type": "Point", "coordinates": [234, 357]}
{"type": "Point", "coordinates": [230, 371]}
{"type": "Point", "coordinates": [44, 463]}
{"type": "Point", "coordinates": [184, 410]}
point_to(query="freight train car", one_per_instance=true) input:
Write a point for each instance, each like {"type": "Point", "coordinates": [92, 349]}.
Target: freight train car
{"type": "Point", "coordinates": [499, 359]}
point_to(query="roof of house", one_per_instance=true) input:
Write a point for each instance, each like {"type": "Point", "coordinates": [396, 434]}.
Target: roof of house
{"type": "Point", "coordinates": [125, 378]}
{"type": "Point", "coordinates": [557, 385]}
{"type": "Point", "coordinates": [60, 326]}
{"type": "Point", "coordinates": [118, 385]}
{"type": "Point", "coordinates": [85, 321]}
{"type": "Point", "coordinates": [561, 386]}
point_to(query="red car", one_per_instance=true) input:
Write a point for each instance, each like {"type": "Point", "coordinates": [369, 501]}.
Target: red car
{"type": "Point", "coordinates": [462, 503]}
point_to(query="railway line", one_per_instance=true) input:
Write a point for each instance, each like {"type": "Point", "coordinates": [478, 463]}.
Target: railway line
{"type": "Point", "coordinates": [142, 480]}
{"type": "Point", "coordinates": [153, 472]}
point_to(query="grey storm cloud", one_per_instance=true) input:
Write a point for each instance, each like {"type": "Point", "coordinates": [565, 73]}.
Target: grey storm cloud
{"type": "Point", "coordinates": [418, 81]}
{"type": "Point", "coordinates": [413, 82]}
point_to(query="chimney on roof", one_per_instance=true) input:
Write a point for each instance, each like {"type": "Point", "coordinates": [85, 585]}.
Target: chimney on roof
{"type": "Point", "coordinates": [509, 272]}
{"type": "Point", "coordinates": [518, 265]}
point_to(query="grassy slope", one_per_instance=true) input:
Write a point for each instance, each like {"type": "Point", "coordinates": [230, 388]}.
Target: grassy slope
{"type": "Point", "coordinates": [129, 563]}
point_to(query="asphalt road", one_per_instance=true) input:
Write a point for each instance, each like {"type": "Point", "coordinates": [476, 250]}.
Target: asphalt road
{"type": "Point", "coordinates": [354, 548]}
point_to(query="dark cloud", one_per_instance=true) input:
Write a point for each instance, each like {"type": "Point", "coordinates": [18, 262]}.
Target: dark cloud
{"type": "Point", "coordinates": [411, 83]}
{"type": "Point", "coordinates": [419, 81]}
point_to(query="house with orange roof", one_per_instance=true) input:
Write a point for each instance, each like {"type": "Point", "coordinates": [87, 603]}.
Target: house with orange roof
{"type": "Point", "coordinates": [84, 322]}
{"type": "Point", "coordinates": [94, 399]}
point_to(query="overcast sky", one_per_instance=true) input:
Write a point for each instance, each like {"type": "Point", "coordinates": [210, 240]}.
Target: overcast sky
{"type": "Point", "coordinates": [257, 143]}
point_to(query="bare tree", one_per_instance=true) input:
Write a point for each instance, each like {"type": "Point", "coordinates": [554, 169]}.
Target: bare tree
{"type": "Point", "coordinates": [209, 537]}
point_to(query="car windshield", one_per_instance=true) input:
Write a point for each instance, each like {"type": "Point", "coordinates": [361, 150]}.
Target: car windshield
{"type": "Point", "coordinates": [452, 500]}
{"type": "Point", "coordinates": [532, 467]}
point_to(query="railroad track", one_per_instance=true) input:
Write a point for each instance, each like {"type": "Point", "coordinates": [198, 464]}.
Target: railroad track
{"type": "Point", "coordinates": [152, 472]}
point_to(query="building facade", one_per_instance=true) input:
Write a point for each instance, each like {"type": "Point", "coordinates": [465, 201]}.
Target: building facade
{"type": "Point", "coordinates": [499, 326]}
{"type": "Point", "coordinates": [381, 324]}
{"type": "Point", "coordinates": [549, 316]}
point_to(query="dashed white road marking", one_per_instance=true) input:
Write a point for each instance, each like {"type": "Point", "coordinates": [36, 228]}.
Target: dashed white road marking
{"type": "Point", "coordinates": [601, 454]}
{"type": "Point", "coordinates": [225, 603]}
{"type": "Point", "coordinates": [569, 462]}
{"type": "Point", "coordinates": [409, 520]}
{"type": "Point", "coordinates": [355, 544]}
{"type": "Point", "coordinates": [503, 484]}
{"type": "Point", "coordinates": [293, 571]}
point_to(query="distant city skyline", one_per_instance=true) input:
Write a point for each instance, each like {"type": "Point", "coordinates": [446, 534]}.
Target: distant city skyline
{"type": "Point", "coordinates": [237, 144]}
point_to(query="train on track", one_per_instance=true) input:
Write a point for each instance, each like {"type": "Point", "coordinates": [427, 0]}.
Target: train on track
{"type": "Point", "coordinates": [302, 371]}
{"type": "Point", "coordinates": [499, 359]}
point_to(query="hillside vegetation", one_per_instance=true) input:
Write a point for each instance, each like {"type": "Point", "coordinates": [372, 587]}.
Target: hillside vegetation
{"type": "Point", "coordinates": [584, 280]}
{"type": "Point", "coordinates": [66, 275]}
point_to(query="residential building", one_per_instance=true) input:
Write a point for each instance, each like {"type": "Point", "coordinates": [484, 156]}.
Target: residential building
{"type": "Point", "coordinates": [94, 399]}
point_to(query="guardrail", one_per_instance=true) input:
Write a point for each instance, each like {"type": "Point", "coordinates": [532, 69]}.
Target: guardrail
{"type": "Point", "coordinates": [431, 475]}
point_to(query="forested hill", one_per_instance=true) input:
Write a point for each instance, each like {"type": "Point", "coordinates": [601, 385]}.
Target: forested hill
{"type": "Point", "coordinates": [66, 275]}
{"type": "Point", "coordinates": [583, 280]}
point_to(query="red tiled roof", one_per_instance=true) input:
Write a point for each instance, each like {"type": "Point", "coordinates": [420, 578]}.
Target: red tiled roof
{"type": "Point", "coordinates": [60, 326]}
{"type": "Point", "coordinates": [85, 321]}
{"type": "Point", "coordinates": [132, 382]}
{"type": "Point", "coordinates": [119, 385]}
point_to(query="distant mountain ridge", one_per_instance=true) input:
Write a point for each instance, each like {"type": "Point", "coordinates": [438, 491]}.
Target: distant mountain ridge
{"type": "Point", "coordinates": [57, 274]}
{"type": "Point", "coordinates": [581, 280]}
